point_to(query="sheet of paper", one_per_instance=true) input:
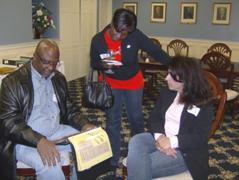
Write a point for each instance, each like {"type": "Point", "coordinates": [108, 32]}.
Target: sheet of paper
{"type": "Point", "coordinates": [6, 70]}
{"type": "Point", "coordinates": [113, 62]}
{"type": "Point", "coordinates": [91, 148]}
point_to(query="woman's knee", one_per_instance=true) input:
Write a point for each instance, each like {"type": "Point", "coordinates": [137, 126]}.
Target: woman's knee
{"type": "Point", "coordinates": [139, 139]}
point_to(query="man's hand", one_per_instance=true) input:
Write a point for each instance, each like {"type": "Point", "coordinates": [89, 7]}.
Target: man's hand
{"type": "Point", "coordinates": [88, 127]}
{"type": "Point", "coordinates": [48, 152]}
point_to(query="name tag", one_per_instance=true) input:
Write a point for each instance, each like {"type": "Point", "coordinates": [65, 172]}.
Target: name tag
{"type": "Point", "coordinates": [128, 46]}
{"type": "Point", "coordinates": [194, 110]}
{"type": "Point", "coordinates": [104, 55]}
{"type": "Point", "coordinates": [54, 98]}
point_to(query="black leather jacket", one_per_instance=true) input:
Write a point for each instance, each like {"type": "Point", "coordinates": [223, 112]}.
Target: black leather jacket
{"type": "Point", "coordinates": [16, 105]}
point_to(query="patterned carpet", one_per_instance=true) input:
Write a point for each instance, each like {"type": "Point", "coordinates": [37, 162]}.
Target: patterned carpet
{"type": "Point", "coordinates": [224, 146]}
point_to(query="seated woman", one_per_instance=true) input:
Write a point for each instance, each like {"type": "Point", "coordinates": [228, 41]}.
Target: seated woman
{"type": "Point", "coordinates": [179, 123]}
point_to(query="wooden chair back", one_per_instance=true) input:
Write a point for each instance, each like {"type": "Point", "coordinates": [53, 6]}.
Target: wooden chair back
{"type": "Point", "coordinates": [220, 66]}
{"type": "Point", "coordinates": [222, 48]}
{"type": "Point", "coordinates": [177, 47]}
{"type": "Point", "coordinates": [144, 54]}
{"type": "Point", "coordinates": [219, 100]}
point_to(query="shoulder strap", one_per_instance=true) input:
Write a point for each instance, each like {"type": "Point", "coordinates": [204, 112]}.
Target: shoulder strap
{"type": "Point", "coordinates": [91, 73]}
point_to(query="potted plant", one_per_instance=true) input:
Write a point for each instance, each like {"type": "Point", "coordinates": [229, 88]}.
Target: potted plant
{"type": "Point", "coordinates": [41, 20]}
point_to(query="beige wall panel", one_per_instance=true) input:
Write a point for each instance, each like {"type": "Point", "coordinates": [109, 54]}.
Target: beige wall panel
{"type": "Point", "coordinates": [105, 13]}
{"type": "Point", "coordinates": [68, 58]}
{"type": "Point", "coordinates": [76, 6]}
{"type": "Point", "coordinates": [66, 5]}
{"type": "Point", "coordinates": [78, 25]}
{"type": "Point", "coordinates": [66, 27]}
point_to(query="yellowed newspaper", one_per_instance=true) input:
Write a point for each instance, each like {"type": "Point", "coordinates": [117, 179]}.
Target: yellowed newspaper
{"type": "Point", "coordinates": [6, 70]}
{"type": "Point", "coordinates": [91, 148]}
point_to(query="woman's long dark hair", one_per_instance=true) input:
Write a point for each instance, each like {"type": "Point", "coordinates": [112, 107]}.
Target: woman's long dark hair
{"type": "Point", "coordinates": [196, 90]}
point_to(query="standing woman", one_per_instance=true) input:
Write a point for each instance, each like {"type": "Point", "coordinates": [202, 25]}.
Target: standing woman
{"type": "Point", "coordinates": [121, 41]}
{"type": "Point", "coordinates": [179, 124]}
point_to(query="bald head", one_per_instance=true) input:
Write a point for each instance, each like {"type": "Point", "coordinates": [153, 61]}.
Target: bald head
{"type": "Point", "coordinates": [47, 46]}
{"type": "Point", "coordinates": [46, 57]}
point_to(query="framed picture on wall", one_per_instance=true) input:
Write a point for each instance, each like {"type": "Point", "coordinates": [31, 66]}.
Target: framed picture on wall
{"type": "Point", "coordinates": [132, 6]}
{"type": "Point", "coordinates": [188, 13]}
{"type": "Point", "coordinates": [158, 12]}
{"type": "Point", "coordinates": [221, 13]}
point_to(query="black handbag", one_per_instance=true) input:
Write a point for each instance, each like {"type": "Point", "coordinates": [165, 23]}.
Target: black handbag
{"type": "Point", "coordinates": [97, 94]}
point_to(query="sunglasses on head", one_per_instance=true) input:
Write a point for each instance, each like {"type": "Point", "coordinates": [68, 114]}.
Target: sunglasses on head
{"type": "Point", "coordinates": [174, 76]}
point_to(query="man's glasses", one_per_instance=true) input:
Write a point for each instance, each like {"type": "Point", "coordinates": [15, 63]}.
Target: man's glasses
{"type": "Point", "coordinates": [48, 63]}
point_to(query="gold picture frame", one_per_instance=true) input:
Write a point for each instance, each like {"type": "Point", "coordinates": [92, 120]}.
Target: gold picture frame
{"type": "Point", "coordinates": [188, 13]}
{"type": "Point", "coordinates": [221, 13]}
{"type": "Point", "coordinates": [158, 12]}
{"type": "Point", "coordinates": [132, 6]}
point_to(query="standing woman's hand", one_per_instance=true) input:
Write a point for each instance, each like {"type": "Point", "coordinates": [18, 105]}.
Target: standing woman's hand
{"type": "Point", "coordinates": [106, 65]}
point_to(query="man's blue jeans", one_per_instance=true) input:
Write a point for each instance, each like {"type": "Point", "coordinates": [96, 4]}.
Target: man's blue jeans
{"type": "Point", "coordinates": [132, 99]}
{"type": "Point", "coordinates": [145, 162]}
{"type": "Point", "coordinates": [30, 156]}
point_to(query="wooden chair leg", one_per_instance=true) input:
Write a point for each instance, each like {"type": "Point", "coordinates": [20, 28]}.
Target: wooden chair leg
{"type": "Point", "coordinates": [124, 163]}
{"type": "Point", "coordinates": [149, 84]}
{"type": "Point", "coordinates": [124, 176]}
{"type": "Point", "coordinates": [234, 108]}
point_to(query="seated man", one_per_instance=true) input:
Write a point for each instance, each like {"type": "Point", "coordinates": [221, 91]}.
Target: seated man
{"type": "Point", "coordinates": [35, 114]}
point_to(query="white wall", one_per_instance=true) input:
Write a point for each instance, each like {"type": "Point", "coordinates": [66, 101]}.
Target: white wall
{"type": "Point", "coordinates": [14, 51]}
{"type": "Point", "coordinates": [74, 59]}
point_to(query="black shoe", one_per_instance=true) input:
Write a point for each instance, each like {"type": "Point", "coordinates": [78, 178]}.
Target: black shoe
{"type": "Point", "coordinates": [113, 168]}
{"type": "Point", "coordinates": [108, 176]}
